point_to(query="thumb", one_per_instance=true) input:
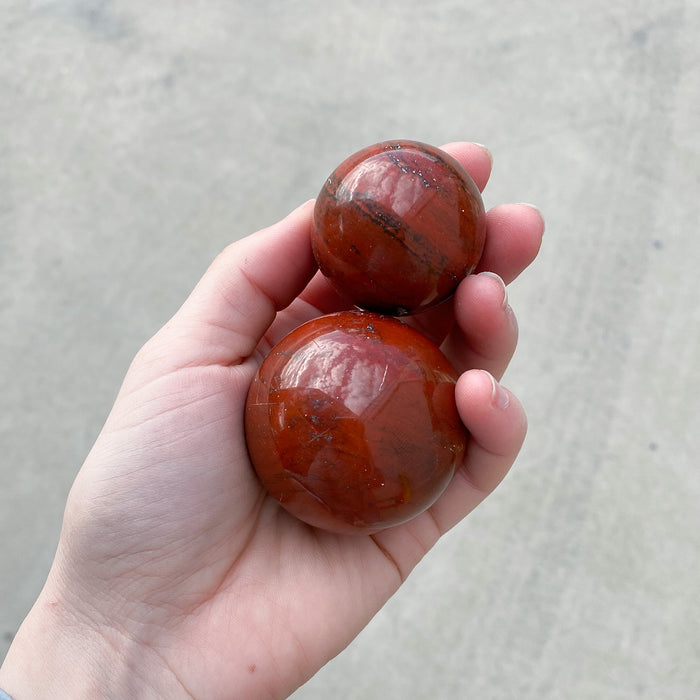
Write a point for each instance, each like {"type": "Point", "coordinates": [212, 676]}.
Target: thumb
{"type": "Point", "coordinates": [237, 299]}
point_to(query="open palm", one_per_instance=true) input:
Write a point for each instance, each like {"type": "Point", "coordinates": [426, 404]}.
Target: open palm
{"type": "Point", "coordinates": [171, 553]}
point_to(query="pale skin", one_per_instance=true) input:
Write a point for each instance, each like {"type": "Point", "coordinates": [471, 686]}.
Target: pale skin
{"type": "Point", "coordinates": [175, 575]}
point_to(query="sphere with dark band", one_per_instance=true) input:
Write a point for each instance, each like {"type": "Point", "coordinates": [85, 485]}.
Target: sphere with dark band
{"type": "Point", "coordinates": [351, 422]}
{"type": "Point", "coordinates": [397, 226]}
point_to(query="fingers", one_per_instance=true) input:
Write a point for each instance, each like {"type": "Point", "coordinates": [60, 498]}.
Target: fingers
{"type": "Point", "coordinates": [497, 425]}
{"type": "Point", "coordinates": [513, 238]}
{"type": "Point", "coordinates": [486, 331]}
{"type": "Point", "coordinates": [237, 298]}
{"type": "Point", "coordinates": [474, 158]}
{"type": "Point", "coordinates": [513, 231]}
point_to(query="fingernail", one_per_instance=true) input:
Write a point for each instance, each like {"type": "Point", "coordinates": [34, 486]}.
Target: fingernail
{"type": "Point", "coordinates": [486, 149]}
{"type": "Point", "coordinates": [497, 278]}
{"type": "Point", "coordinates": [499, 396]}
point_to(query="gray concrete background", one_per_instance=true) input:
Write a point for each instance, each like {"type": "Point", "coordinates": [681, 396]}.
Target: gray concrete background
{"type": "Point", "coordinates": [138, 139]}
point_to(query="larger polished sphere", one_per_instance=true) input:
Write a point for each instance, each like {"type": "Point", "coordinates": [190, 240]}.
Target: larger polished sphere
{"type": "Point", "coordinates": [351, 422]}
{"type": "Point", "coordinates": [397, 226]}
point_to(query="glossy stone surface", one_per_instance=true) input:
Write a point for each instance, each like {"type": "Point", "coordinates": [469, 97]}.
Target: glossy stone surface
{"type": "Point", "coordinates": [351, 422]}
{"type": "Point", "coordinates": [397, 226]}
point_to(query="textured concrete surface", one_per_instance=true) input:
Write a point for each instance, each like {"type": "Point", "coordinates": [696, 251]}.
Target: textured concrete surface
{"type": "Point", "coordinates": [137, 139]}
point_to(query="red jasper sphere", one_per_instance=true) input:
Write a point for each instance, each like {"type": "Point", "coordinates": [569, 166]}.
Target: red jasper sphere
{"type": "Point", "coordinates": [397, 226]}
{"type": "Point", "coordinates": [351, 422]}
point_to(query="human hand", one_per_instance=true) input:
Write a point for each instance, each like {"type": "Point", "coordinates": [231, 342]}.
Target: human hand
{"type": "Point", "coordinates": [176, 575]}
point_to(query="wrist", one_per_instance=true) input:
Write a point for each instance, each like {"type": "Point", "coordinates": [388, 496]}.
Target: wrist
{"type": "Point", "coordinates": [57, 654]}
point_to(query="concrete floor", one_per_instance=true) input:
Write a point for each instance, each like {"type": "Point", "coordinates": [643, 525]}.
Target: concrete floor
{"type": "Point", "coordinates": [138, 139]}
